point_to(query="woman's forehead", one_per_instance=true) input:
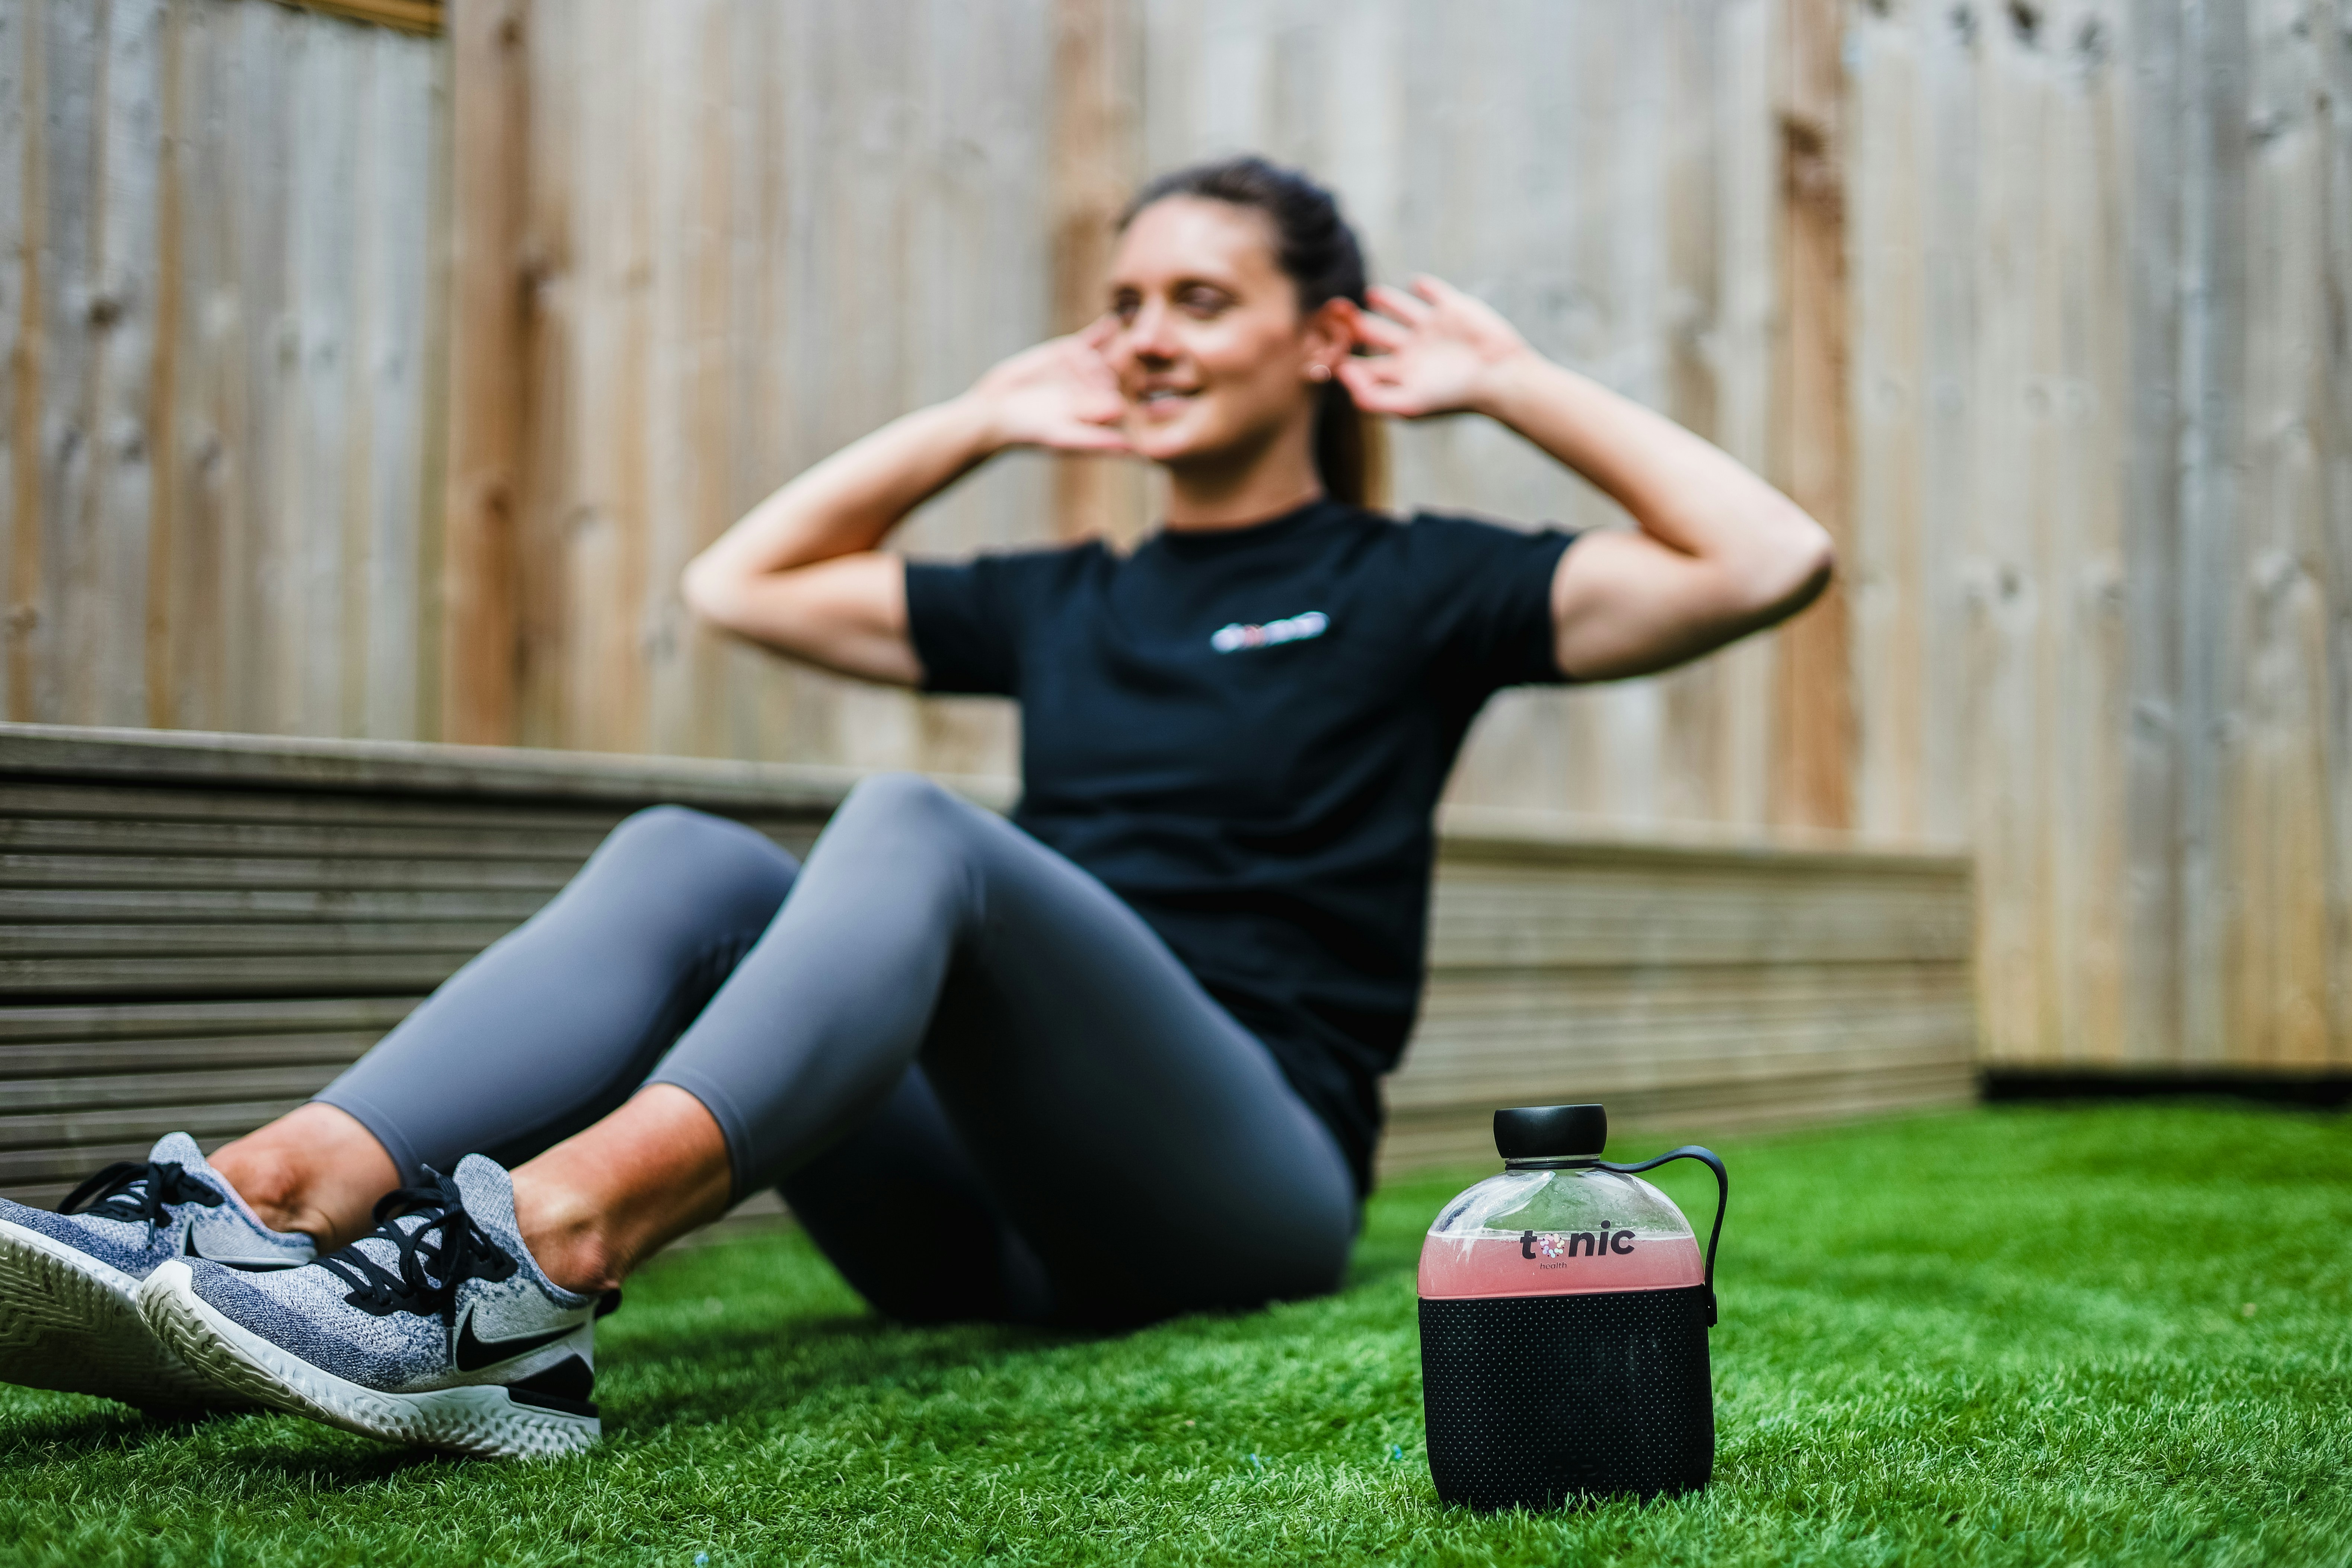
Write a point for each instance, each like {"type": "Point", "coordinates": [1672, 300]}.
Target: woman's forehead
{"type": "Point", "coordinates": [1194, 237]}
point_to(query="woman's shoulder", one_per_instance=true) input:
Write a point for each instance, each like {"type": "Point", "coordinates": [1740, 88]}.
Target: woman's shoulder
{"type": "Point", "coordinates": [1023, 560]}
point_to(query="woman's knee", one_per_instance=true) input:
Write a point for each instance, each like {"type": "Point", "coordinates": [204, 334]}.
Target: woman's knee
{"type": "Point", "coordinates": [675, 846]}
{"type": "Point", "coordinates": [903, 805]}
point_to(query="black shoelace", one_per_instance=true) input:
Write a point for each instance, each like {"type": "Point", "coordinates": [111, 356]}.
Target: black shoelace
{"type": "Point", "coordinates": [427, 1273]}
{"type": "Point", "coordinates": [133, 1191]}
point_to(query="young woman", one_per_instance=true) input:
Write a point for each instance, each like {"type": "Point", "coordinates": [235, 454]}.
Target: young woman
{"type": "Point", "coordinates": [1113, 1059]}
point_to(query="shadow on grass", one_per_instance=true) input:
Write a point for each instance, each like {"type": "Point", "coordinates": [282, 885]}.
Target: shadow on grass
{"type": "Point", "coordinates": [78, 1434]}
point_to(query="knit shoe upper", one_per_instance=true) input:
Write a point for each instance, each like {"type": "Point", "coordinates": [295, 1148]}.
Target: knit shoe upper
{"type": "Point", "coordinates": [67, 1320]}
{"type": "Point", "coordinates": [439, 1328]}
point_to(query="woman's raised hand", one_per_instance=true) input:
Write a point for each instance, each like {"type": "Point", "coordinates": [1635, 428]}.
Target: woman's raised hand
{"type": "Point", "coordinates": [1437, 351]}
{"type": "Point", "coordinates": [1061, 395]}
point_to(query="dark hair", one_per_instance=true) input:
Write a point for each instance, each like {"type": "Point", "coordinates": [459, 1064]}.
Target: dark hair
{"type": "Point", "coordinates": [1317, 251]}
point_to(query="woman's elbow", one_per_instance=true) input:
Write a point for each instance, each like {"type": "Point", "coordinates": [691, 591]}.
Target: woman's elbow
{"type": "Point", "coordinates": [1803, 565]}
{"type": "Point", "coordinates": [709, 592]}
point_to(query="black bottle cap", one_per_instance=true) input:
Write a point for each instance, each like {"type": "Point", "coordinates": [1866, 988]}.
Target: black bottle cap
{"type": "Point", "coordinates": [1551, 1131]}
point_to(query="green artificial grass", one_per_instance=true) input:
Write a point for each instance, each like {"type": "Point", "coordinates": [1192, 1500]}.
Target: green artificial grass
{"type": "Point", "coordinates": [2107, 1335]}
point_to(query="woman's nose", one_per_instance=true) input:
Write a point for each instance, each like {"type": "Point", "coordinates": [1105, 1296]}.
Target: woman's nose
{"type": "Point", "coordinates": [1147, 334]}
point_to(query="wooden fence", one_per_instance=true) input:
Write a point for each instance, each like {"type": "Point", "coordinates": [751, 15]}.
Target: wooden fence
{"type": "Point", "coordinates": [2041, 306]}
{"type": "Point", "coordinates": [197, 931]}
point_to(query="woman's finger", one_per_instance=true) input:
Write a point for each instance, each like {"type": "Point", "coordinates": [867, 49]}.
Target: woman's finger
{"type": "Point", "coordinates": [1398, 303]}
{"type": "Point", "coordinates": [1436, 291]}
{"type": "Point", "coordinates": [1380, 332]}
{"type": "Point", "coordinates": [1374, 393]}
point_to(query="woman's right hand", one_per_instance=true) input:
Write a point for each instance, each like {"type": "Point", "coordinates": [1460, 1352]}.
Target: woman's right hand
{"type": "Point", "coordinates": [1062, 395]}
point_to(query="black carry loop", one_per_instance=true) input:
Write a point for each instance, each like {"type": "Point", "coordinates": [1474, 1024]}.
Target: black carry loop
{"type": "Point", "coordinates": [1709, 1158]}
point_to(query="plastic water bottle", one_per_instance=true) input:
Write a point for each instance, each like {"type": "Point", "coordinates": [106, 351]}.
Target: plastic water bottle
{"type": "Point", "coordinates": [1564, 1311]}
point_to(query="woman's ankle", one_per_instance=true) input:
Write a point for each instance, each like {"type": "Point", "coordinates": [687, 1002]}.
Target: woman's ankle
{"type": "Point", "coordinates": [273, 1185]}
{"type": "Point", "coordinates": [567, 1236]}
{"type": "Point", "coordinates": [316, 1170]}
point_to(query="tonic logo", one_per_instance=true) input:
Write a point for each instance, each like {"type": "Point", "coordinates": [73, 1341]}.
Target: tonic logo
{"type": "Point", "coordinates": [1544, 1246]}
{"type": "Point", "coordinates": [1234, 638]}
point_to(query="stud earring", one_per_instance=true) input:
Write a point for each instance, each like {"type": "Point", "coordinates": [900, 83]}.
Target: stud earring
{"type": "Point", "coordinates": [1318, 371]}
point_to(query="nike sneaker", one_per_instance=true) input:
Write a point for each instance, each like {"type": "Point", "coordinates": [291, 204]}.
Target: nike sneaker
{"type": "Point", "coordinates": [68, 1317]}
{"type": "Point", "coordinates": [439, 1330]}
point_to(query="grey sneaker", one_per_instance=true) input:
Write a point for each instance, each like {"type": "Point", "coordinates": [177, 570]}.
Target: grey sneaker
{"type": "Point", "coordinates": [67, 1316]}
{"type": "Point", "coordinates": [439, 1330]}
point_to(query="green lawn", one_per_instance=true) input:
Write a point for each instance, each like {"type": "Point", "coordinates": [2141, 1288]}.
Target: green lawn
{"type": "Point", "coordinates": [2012, 1335]}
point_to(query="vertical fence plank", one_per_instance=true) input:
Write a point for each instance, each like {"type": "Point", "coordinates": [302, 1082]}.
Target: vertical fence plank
{"type": "Point", "coordinates": [2155, 69]}
{"type": "Point", "coordinates": [106, 608]}
{"type": "Point", "coordinates": [53, 547]}
{"type": "Point", "coordinates": [2331, 426]}
{"type": "Point", "coordinates": [1813, 769]}
{"type": "Point", "coordinates": [1094, 162]}
{"type": "Point", "coordinates": [1885, 573]}
{"type": "Point", "coordinates": [489, 112]}
{"type": "Point", "coordinates": [20, 254]}
{"type": "Point", "coordinates": [2213, 345]}
{"type": "Point", "coordinates": [2282, 1016]}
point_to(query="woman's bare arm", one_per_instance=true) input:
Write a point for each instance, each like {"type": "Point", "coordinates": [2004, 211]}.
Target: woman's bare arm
{"type": "Point", "coordinates": [1720, 553]}
{"type": "Point", "coordinates": [801, 573]}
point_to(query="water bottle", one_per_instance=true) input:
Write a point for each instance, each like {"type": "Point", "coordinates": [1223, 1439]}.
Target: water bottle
{"type": "Point", "coordinates": [1564, 1311]}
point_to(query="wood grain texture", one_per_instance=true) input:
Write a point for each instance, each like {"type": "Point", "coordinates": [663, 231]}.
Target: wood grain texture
{"type": "Point", "coordinates": [222, 310]}
{"type": "Point", "coordinates": [2042, 306]}
{"type": "Point", "coordinates": [200, 934]}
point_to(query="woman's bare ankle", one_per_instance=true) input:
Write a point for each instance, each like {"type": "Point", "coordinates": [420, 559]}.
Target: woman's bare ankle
{"type": "Point", "coordinates": [567, 1236]}
{"type": "Point", "coordinates": [316, 1170]}
{"type": "Point", "coordinates": [603, 1201]}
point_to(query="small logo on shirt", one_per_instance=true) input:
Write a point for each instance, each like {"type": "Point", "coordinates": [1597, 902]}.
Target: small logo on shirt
{"type": "Point", "coordinates": [1234, 638]}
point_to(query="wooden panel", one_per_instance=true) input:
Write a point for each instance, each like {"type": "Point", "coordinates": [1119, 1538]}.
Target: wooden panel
{"type": "Point", "coordinates": [1812, 770]}
{"type": "Point", "coordinates": [255, 893]}
{"type": "Point", "coordinates": [2087, 451]}
{"type": "Point", "coordinates": [196, 950]}
{"type": "Point", "coordinates": [222, 331]}
{"type": "Point", "coordinates": [1683, 985]}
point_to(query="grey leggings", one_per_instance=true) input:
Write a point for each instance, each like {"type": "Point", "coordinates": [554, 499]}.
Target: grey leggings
{"type": "Point", "coordinates": [986, 1087]}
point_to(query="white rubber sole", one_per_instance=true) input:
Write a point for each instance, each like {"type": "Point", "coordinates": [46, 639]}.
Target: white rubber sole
{"type": "Point", "coordinates": [481, 1419]}
{"type": "Point", "coordinates": [71, 1323]}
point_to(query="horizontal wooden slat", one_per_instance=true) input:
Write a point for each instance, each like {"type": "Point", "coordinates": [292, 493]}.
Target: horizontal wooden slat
{"type": "Point", "coordinates": [26, 1103]}
{"type": "Point", "coordinates": [1463, 1134]}
{"type": "Point", "coordinates": [112, 802]}
{"type": "Point", "coordinates": [55, 1147]}
{"type": "Point", "coordinates": [198, 760]}
{"type": "Point", "coordinates": [1623, 915]}
{"type": "Point", "coordinates": [165, 905]}
{"type": "Point", "coordinates": [401, 973]}
{"type": "Point", "coordinates": [168, 1055]}
{"type": "Point", "coordinates": [424, 16]}
{"type": "Point", "coordinates": [1517, 1038]}
{"type": "Point", "coordinates": [51, 835]}
{"type": "Point", "coordinates": [322, 874]}
{"type": "Point", "coordinates": [313, 939]}
{"type": "Point", "coordinates": [242, 1018]}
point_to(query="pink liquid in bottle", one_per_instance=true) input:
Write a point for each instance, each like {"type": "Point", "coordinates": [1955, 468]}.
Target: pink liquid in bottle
{"type": "Point", "coordinates": [1546, 1263]}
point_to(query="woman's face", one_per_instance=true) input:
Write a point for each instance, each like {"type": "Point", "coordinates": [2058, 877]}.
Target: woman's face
{"type": "Point", "coordinates": [1211, 350]}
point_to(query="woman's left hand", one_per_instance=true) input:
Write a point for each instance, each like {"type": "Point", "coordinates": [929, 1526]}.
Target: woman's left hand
{"type": "Point", "coordinates": [1439, 351]}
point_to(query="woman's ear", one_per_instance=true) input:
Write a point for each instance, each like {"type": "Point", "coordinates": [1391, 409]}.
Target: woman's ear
{"type": "Point", "coordinates": [1331, 331]}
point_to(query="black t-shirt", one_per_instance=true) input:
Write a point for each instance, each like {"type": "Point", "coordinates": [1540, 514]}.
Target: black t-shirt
{"type": "Point", "coordinates": [1243, 732]}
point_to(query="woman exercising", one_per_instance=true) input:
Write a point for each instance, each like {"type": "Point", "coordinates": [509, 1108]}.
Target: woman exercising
{"type": "Point", "coordinates": [1112, 1059]}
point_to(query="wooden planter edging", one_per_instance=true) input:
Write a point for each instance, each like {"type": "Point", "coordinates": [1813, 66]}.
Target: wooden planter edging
{"type": "Point", "coordinates": [198, 930]}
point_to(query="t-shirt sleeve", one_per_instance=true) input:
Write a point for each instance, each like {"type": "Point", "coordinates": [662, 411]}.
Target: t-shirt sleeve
{"type": "Point", "coordinates": [968, 618]}
{"type": "Point", "coordinates": [1484, 593]}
